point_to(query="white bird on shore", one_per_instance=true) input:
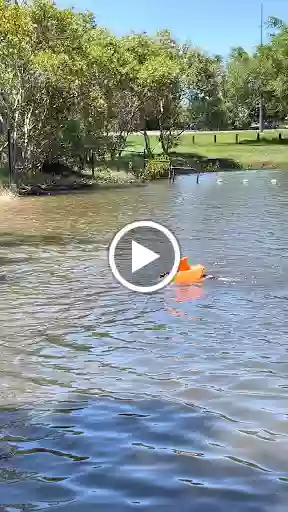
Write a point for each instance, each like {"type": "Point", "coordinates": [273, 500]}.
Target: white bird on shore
{"type": "Point", "coordinates": [219, 180]}
{"type": "Point", "coordinates": [244, 182]}
{"type": "Point", "coordinates": [274, 182]}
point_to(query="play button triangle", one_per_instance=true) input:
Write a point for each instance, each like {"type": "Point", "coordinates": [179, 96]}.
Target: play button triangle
{"type": "Point", "coordinates": [141, 256]}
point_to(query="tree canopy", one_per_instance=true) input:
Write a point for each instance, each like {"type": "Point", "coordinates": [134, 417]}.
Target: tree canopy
{"type": "Point", "coordinates": [69, 87]}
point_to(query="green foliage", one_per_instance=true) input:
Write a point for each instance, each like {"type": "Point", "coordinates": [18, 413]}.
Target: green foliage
{"type": "Point", "coordinates": [71, 89]}
{"type": "Point", "coordinates": [104, 175]}
{"type": "Point", "coordinates": [4, 176]}
{"type": "Point", "coordinates": [156, 168]}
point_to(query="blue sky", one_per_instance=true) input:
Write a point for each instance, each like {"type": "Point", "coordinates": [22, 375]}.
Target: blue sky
{"type": "Point", "coordinates": [215, 25]}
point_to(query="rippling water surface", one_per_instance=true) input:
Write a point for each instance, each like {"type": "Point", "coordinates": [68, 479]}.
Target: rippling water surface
{"type": "Point", "coordinates": [116, 401]}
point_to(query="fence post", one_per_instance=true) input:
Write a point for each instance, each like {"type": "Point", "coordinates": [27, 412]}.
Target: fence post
{"type": "Point", "coordinates": [237, 138]}
{"type": "Point", "coordinates": [215, 138]}
{"type": "Point", "coordinates": [258, 137]}
{"type": "Point", "coordinates": [280, 136]}
{"type": "Point", "coordinates": [193, 139]}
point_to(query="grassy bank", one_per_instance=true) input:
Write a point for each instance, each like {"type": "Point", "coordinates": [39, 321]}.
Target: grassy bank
{"type": "Point", "coordinates": [268, 152]}
{"type": "Point", "coordinates": [198, 150]}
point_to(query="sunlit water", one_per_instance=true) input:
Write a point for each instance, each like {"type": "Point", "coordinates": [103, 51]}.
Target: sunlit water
{"type": "Point", "coordinates": [116, 401]}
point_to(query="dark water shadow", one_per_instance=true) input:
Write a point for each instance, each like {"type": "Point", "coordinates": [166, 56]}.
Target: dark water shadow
{"type": "Point", "coordinates": [11, 261]}
{"type": "Point", "coordinates": [14, 239]}
{"type": "Point", "coordinates": [179, 158]}
{"type": "Point", "coordinates": [116, 455]}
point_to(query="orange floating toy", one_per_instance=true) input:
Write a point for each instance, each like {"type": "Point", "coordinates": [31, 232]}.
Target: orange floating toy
{"type": "Point", "coordinates": [189, 274]}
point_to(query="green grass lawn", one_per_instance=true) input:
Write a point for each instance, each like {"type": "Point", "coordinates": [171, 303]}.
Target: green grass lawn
{"type": "Point", "coordinates": [248, 153]}
{"type": "Point", "coordinates": [269, 152]}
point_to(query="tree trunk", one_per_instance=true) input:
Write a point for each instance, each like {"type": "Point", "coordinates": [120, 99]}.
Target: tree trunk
{"type": "Point", "coordinates": [92, 164]}
{"type": "Point", "coordinates": [81, 160]}
{"type": "Point", "coordinates": [147, 145]}
{"type": "Point", "coordinates": [162, 140]}
{"type": "Point", "coordinates": [162, 137]}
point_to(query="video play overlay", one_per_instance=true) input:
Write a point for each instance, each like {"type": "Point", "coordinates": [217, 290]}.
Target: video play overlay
{"type": "Point", "coordinates": [140, 253]}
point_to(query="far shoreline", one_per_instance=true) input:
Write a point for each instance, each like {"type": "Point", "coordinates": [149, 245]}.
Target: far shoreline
{"type": "Point", "coordinates": [98, 187]}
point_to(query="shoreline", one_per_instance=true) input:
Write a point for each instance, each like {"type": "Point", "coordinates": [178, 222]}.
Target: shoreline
{"type": "Point", "coordinates": [97, 187]}
{"type": "Point", "coordinates": [40, 192]}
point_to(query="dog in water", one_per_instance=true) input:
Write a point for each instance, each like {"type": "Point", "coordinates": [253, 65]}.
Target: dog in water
{"type": "Point", "coordinates": [205, 276]}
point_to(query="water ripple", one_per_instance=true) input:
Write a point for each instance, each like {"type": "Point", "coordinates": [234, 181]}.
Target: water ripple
{"type": "Point", "coordinates": [120, 401]}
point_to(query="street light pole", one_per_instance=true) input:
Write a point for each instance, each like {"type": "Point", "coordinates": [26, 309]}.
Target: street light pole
{"type": "Point", "coordinates": [261, 94]}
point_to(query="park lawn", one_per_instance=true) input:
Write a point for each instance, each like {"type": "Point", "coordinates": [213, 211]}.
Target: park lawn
{"type": "Point", "coordinates": [249, 153]}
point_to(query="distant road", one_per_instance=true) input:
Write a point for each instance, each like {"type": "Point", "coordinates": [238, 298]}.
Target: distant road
{"type": "Point", "coordinates": [157, 132]}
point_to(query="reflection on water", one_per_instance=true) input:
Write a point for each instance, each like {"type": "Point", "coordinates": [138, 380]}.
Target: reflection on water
{"type": "Point", "coordinates": [119, 400]}
{"type": "Point", "coordinates": [118, 455]}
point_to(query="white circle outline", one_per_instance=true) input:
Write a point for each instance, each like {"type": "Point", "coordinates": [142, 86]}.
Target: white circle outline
{"type": "Point", "coordinates": [148, 224]}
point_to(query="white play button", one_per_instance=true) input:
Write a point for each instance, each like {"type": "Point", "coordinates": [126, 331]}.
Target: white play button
{"type": "Point", "coordinates": [140, 253]}
{"type": "Point", "coordinates": [141, 256]}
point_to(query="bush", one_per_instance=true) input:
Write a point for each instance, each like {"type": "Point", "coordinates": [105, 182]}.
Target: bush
{"type": "Point", "coordinates": [104, 175]}
{"type": "Point", "coordinates": [156, 169]}
{"type": "Point", "coordinates": [211, 167]}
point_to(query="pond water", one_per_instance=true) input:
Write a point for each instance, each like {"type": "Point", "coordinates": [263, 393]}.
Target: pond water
{"type": "Point", "coordinates": [111, 400]}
